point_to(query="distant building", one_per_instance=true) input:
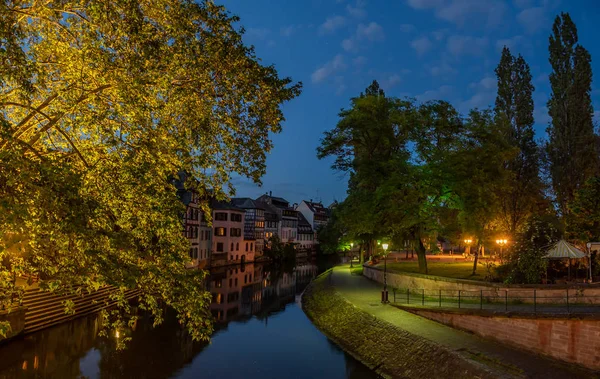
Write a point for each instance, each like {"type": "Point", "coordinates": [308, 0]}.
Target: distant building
{"type": "Point", "coordinates": [195, 228]}
{"type": "Point", "coordinates": [228, 243]}
{"type": "Point", "coordinates": [254, 222]}
{"type": "Point", "coordinates": [306, 234]}
{"type": "Point", "coordinates": [288, 226]}
{"type": "Point", "coordinates": [272, 220]}
{"type": "Point", "coordinates": [315, 213]}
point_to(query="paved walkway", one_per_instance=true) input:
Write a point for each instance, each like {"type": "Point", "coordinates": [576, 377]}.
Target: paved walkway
{"type": "Point", "coordinates": [366, 295]}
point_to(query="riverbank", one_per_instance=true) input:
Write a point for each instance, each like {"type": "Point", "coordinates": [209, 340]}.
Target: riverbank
{"type": "Point", "coordinates": [388, 350]}
{"type": "Point", "coordinates": [346, 307]}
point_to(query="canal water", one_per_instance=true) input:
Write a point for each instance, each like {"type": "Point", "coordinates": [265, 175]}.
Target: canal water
{"type": "Point", "coordinates": [260, 332]}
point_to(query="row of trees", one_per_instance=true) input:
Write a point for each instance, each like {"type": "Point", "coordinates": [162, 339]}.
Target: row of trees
{"type": "Point", "coordinates": [420, 171]}
{"type": "Point", "coordinates": [102, 103]}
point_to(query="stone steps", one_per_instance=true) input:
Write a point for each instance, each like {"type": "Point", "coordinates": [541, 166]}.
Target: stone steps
{"type": "Point", "coordinates": [46, 309]}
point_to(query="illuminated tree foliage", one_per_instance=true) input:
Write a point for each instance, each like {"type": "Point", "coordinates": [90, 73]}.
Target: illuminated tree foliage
{"type": "Point", "coordinates": [103, 102]}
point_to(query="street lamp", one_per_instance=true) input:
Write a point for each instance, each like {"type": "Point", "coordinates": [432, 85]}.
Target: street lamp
{"type": "Point", "coordinates": [468, 243]}
{"type": "Point", "coordinates": [351, 254]}
{"type": "Point", "coordinates": [384, 293]}
{"type": "Point", "coordinates": [501, 242]}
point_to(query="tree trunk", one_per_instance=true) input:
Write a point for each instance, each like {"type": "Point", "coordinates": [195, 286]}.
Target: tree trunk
{"type": "Point", "coordinates": [361, 251]}
{"type": "Point", "coordinates": [421, 257]}
{"type": "Point", "coordinates": [475, 260]}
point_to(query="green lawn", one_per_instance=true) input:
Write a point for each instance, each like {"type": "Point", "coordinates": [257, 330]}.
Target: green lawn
{"type": "Point", "coordinates": [456, 270]}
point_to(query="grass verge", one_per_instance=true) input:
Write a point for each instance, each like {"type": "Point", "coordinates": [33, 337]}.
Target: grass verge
{"type": "Point", "coordinates": [378, 344]}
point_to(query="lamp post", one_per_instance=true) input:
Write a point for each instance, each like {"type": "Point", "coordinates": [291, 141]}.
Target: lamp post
{"type": "Point", "coordinates": [501, 242]}
{"type": "Point", "coordinates": [384, 293]}
{"type": "Point", "coordinates": [351, 254]}
{"type": "Point", "coordinates": [468, 243]}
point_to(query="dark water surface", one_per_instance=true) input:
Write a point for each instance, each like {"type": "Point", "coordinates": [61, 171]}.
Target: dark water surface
{"type": "Point", "coordinates": [261, 332]}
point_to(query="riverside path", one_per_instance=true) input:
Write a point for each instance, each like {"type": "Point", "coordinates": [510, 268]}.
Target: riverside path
{"type": "Point", "coordinates": [366, 294]}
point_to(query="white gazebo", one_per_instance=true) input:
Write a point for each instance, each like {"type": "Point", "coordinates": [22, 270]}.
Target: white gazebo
{"type": "Point", "coordinates": [565, 250]}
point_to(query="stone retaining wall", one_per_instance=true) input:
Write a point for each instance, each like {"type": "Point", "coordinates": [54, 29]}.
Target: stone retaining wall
{"type": "Point", "coordinates": [570, 340]}
{"type": "Point", "coordinates": [388, 350]}
{"type": "Point", "coordinates": [16, 318]}
{"type": "Point", "coordinates": [581, 294]}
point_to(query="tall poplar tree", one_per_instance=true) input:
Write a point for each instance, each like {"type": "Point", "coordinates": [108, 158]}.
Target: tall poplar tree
{"type": "Point", "coordinates": [571, 148]}
{"type": "Point", "coordinates": [514, 115]}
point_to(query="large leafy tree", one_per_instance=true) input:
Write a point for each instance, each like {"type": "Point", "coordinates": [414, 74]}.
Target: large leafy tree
{"type": "Point", "coordinates": [571, 148]}
{"type": "Point", "coordinates": [479, 174]}
{"type": "Point", "coordinates": [370, 134]}
{"type": "Point", "coordinates": [102, 104]}
{"type": "Point", "coordinates": [514, 116]}
{"type": "Point", "coordinates": [583, 221]}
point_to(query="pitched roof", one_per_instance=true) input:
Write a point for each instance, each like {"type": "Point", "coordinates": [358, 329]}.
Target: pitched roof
{"type": "Point", "coordinates": [276, 201]}
{"type": "Point", "coordinates": [246, 203]}
{"type": "Point", "coordinates": [316, 207]}
{"type": "Point", "coordinates": [563, 249]}
{"type": "Point", "coordinates": [224, 205]}
{"type": "Point", "coordinates": [303, 224]}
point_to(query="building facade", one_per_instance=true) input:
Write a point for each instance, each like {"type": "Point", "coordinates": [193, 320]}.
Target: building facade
{"type": "Point", "coordinates": [228, 244]}
{"type": "Point", "coordinates": [315, 213]}
{"type": "Point", "coordinates": [254, 222]}
{"type": "Point", "coordinates": [306, 234]}
{"type": "Point", "coordinates": [288, 216]}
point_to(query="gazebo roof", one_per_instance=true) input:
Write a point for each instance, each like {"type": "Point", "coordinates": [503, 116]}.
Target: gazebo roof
{"type": "Point", "coordinates": [563, 249]}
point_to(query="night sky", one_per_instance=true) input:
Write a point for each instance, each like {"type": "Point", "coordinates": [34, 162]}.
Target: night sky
{"type": "Point", "coordinates": [427, 49]}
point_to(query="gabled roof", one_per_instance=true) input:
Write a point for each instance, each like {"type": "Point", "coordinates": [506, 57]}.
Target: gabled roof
{"type": "Point", "coordinates": [225, 206]}
{"type": "Point", "coordinates": [246, 203]}
{"type": "Point", "coordinates": [279, 202]}
{"type": "Point", "coordinates": [271, 213]}
{"type": "Point", "coordinates": [303, 224]}
{"type": "Point", "coordinates": [316, 207]}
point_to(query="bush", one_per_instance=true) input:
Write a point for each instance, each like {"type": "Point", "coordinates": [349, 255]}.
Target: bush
{"type": "Point", "coordinates": [526, 257]}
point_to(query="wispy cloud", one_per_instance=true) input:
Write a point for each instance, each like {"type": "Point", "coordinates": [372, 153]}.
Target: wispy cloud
{"type": "Point", "coordinates": [511, 43]}
{"type": "Point", "coordinates": [421, 45]}
{"type": "Point", "coordinates": [483, 96]}
{"type": "Point", "coordinates": [407, 28]}
{"type": "Point", "coordinates": [442, 69]}
{"type": "Point", "coordinates": [328, 69]}
{"type": "Point", "coordinates": [436, 94]}
{"type": "Point", "coordinates": [465, 45]}
{"type": "Point", "coordinates": [257, 33]}
{"type": "Point", "coordinates": [461, 11]}
{"type": "Point", "coordinates": [534, 19]}
{"type": "Point", "coordinates": [288, 31]}
{"type": "Point", "coordinates": [390, 81]}
{"type": "Point", "coordinates": [332, 24]}
{"type": "Point", "coordinates": [372, 32]}
{"type": "Point", "coordinates": [357, 10]}
{"type": "Point", "coordinates": [364, 33]}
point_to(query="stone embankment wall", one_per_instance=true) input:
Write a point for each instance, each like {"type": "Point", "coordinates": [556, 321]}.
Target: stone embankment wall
{"type": "Point", "coordinates": [388, 350]}
{"type": "Point", "coordinates": [570, 340]}
{"type": "Point", "coordinates": [582, 294]}
{"type": "Point", "coordinates": [16, 318]}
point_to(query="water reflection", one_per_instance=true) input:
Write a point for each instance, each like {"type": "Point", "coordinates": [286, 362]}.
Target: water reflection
{"type": "Point", "coordinates": [257, 323]}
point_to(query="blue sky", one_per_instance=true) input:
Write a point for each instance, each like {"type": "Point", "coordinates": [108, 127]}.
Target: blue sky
{"type": "Point", "coordinates": [427, 49]}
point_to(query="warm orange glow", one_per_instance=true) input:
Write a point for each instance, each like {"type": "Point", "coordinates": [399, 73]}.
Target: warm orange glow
{"type": "Point", "coordinates": [501, 242]}
{"type": "Point", "coordinates": [468, 241]}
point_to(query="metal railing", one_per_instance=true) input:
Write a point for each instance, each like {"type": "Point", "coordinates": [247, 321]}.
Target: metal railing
{"type": "Point", "coordinates": [567, 301]}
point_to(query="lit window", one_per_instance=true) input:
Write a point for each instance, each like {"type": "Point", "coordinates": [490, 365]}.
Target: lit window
{"type": "Point", "coordinates": [220, 232]}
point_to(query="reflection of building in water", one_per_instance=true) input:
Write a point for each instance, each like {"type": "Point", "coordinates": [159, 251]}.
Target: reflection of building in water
{"type": "Point", "coordinates": [53, 353]}
{"type": "Point", "coordinates": [245, 290]}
